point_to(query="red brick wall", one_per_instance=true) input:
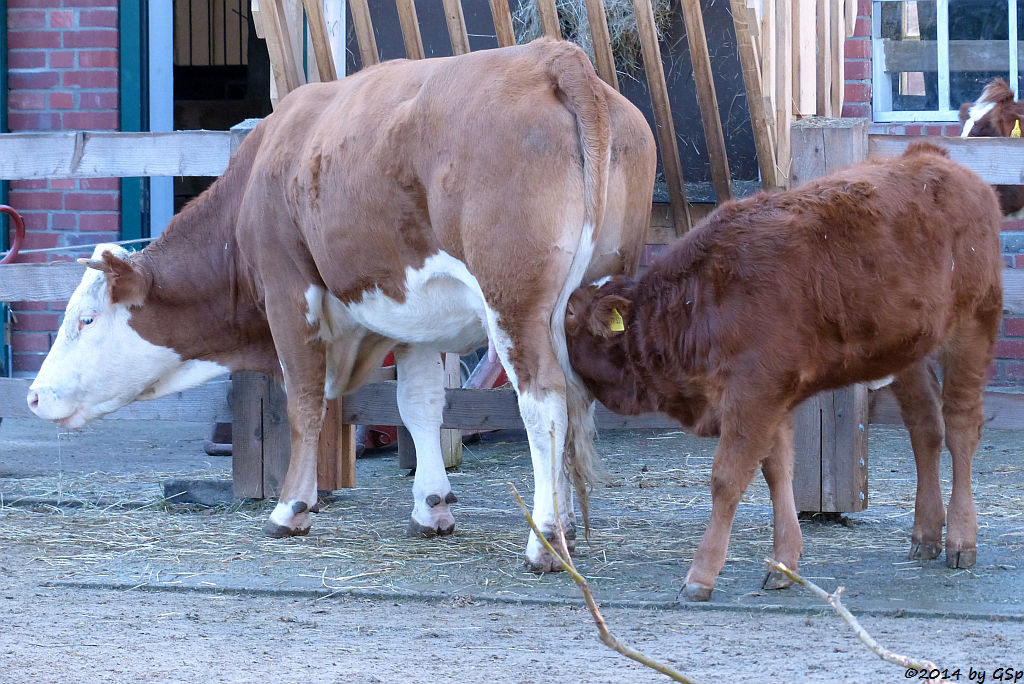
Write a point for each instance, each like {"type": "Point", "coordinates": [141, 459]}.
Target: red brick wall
{"type": "Point", "coordinates": [1009, 366]}
{"type": "Point", "coordinates": [63, 75]}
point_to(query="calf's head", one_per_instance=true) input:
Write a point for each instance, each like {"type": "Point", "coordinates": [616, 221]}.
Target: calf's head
{"type": "Point", "coordinates": [597, 319]}
{"type": "Point", "coordinates": [98, 362]}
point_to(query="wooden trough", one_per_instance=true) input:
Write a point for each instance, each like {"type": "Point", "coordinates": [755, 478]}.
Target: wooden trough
{"type": "Point", "coordinates": [832, 451]}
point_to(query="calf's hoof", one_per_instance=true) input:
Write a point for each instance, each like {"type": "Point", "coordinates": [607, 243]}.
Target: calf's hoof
{"type": "Point", "coordinates": [776, 580]}
{"type": "Point", "coordinates": [964, 558]}
{"type": "Point", "coordinates": [415, 529]}
{"type": "Point", "coordinates": [694, 593]}
{"type": "Point", "coordinates": [920, 550]}
{"type": "Point", "coordinates": [275, 531]}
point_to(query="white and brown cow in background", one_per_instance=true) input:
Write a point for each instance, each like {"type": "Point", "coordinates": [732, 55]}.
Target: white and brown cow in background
{"type": "Point", "coordinates": [996, 115]}
{"type": "Point", "coordinates": [416, 206]}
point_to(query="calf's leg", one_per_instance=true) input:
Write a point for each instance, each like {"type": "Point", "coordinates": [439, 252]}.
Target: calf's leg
{"type": "Point", "coordinates": [917, 390]}
{"type": "Point", "coordinates": [421, 403]}
{"type": "Point", "coordinates": [740, 450]}
{"type": "Point", "coordinates": [787, 540]}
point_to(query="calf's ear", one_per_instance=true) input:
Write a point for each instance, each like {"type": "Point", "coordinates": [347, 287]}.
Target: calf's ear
{"type": "Point", "coordinates": [610, 316]}
{"type": "Point", "coordinates": [127, 285]}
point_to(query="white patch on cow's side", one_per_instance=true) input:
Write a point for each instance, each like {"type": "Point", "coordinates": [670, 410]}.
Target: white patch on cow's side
{"type": "Point", "coordinates": [975, 114]}
{"type": "Point", "coordinates": [97, 367]}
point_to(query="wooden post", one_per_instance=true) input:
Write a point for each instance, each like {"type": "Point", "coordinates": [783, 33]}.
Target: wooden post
{"type": "Point", "coordinates": [410, 29]}
{"type": "Point", "coordinates": [503, 23]}
{"type": "Point", "coordinates": [667, 144]}
{"type": "Point", "coordinates": [548, 14]}
{"type": "Point", "coordinates": [336, 453]}
{"type": "Point", "coordinates": [830, 440]}
{"type": "Point", "coordinates": [451, 438]}
{"type": "Point", "coordinates": [321, 43]}
{"type": "Point", "coordinates": [783, 88]}
{"type": "Point", "coordinates": [760, 120]}
{"type": "Point", "coordinates": [707, 101]}
{"type": "Point", "coordinates": [456, 26]}
{"type": "Point", "coordinates": [260, 434]}
{"type": "Point", "coordinates": [363, 25]}
{"type": "Point", "coordinates": [604, 59]}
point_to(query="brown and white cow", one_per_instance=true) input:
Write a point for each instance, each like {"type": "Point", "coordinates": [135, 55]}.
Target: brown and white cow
{"type": "Point", "coordinates": [420, 206]}
{"type": "Point", "coordinates": [850, 278]}
{"type": "Point", "coordinates": [996, 115]}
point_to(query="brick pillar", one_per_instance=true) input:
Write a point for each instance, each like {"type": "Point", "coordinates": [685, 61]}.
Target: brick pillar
{"type": "Point", "coordinates": [63, 75]}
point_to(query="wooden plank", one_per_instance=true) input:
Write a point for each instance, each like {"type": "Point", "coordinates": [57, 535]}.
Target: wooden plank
{"type": "Point", "coordinates": [277, 438]}
{"type": "Point", "coordinates": [279, 46]}
{"type": "Point", "coordinates": [336, 453]}
{"type": "Point", "coordinates": [805, 58]}
{"type": "Point", "coordinates": [247, 393]}
{"type": "Point", "coordinates": [967, 55]}
{"type": "Point", "coordinates": [410, 29]}
{"type": "Point", "coordinates": [707, 101]}
{"type": "Point", "coordinates": [52, 282]}
{"type": "Point", "coordinates": [451, 438]}
{"type": "Point", "coordinates": [321, 42]}
{"type": "Point", "coordinates": [334, 18]}
{"type": "Point", "coordinates": [604, 58]}
{"type": "Point", "coordinates": [751, 70]}
{"type": "Point", "coordinates": [844, 428]}
{"type": "Point", "coordinates": [1003, 410]}
{"type": "Point", "coordinates": [837, 30]}
{"type": "Point", "coordinates": [456, 26]}
{"type": "Point", "coordinates": [1013, 291]}
{"type": "Point", "coordinates": [363, 25]}
{"type": "Point", "coordinates": [205, 404]}
{"type": "Point", "coordinates": [822, 146]}
{"type": "Point", "coordinates": [999, 161]}
{"type": "Point", "coordinates": [823, 61]}
{"type": "Point", "coordinates": [665, 129]}
{"type": "Point", "coordinates": [503, 23]}
{"type": "Point", "coordinates": [113, 154]}
{"type": "Point", "coordinates": [548, 14]}
{"type": "Point", "coordinates": [783, 88]}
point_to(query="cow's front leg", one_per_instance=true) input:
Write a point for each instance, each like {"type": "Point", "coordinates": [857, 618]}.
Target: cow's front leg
{"type": "Point", "coordinates": [304, 365]}
{"type": "Point", "coordinates": [421, 403]}
{"type": "Point", "coordinates": [544, 415]}
{"type": "Point", "coordinates": [739, 452]}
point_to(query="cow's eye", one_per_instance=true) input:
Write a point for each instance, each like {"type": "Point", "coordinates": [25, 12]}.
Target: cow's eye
{"type": "Point", "coordinates": [84, 321]}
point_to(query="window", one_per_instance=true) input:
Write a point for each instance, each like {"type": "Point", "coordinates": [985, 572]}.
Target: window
{"type": "Point", "coordinates": [930, 56]}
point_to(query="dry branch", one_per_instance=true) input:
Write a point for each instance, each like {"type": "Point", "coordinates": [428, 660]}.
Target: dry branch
{"type": "Point", "coordinates": [607, 638]}
{"type": "Point", "coordinates": [834, 600]}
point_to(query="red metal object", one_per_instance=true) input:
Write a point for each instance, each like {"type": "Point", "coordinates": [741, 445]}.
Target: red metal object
{"type": "Point", "coordinates": [19, 233]}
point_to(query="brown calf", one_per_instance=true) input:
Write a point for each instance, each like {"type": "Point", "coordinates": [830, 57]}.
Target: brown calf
{"type": "Point", "coordinates": [851, 278]}
{"type": "Point", "coordinates": [996, 115]}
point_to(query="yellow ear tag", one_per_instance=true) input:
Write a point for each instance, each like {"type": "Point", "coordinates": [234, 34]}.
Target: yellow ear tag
{"type": "Point", "coordinates": [1015, 133]}
{"type": "Point", "coordinates": [616, 325]}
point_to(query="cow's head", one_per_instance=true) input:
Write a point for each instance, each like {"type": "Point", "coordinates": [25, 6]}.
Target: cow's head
{"type": "Point", "coordinates": [994, 115]}
{"type": "Point", "coordinates": [597, 321]}
{"type": "Point", "coordinates": [99, 363]}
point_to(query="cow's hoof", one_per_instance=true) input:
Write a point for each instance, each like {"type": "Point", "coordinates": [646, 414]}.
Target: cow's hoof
{"type": "Point", "coordinates": [964, 558]}
{"type": "Point", "coordinates": [545, 563]}
{"type": "Point", "coordinates": [694, 593]}
{"type": "Point", "coordinates": [416, 529]}
{"type": "Point", "coordinates": [776, 580]}
{"type": "Point", "coordinates": [924, 550]}
{"type": "Point", "coordinates": [275, 531]}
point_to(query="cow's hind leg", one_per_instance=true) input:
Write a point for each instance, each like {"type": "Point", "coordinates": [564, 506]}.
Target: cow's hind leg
{"type": "Point", "coordinates": [917, 391]}
{"type": "Point", "coordinates": [420, 403]}
{"type": "Point", "coordinates": [787, 542]}
{"type": "Point", "coordinates": [965, 360]}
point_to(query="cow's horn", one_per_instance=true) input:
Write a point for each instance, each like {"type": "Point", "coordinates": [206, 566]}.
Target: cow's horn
{"type": "Point", "coordinates": [93, 263]}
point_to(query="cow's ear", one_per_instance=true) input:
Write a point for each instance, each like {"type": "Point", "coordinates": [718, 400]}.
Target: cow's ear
{"type": "Point", "coordinates": [965, 110]}
{"type": "Point", "coordinates": [127, 285]}
{"type": "Point", "coordinates": [610, 315]}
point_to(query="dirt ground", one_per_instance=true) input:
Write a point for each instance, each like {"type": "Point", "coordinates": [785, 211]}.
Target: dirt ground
{"type": "Point", "coordinates": [103, 579]}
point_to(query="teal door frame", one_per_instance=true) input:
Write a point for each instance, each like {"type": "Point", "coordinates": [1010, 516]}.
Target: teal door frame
{"type": "Point", "coordinates": [134, 110]}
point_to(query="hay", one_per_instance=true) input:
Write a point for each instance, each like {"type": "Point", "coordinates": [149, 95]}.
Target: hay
{"type": "Point", "coordinates": [572, 19]}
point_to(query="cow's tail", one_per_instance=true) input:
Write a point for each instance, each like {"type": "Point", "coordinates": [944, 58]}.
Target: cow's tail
{"type": "Point", "coordinates": [584, 95]}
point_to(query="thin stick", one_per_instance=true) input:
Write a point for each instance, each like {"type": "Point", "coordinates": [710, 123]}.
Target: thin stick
{"type": "Point", "coordinates": [607, 638]}
{"type": "Point", "coordinates": [837, 605]}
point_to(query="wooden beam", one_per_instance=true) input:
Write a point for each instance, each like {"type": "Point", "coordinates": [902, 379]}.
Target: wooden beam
{"type": "Point", "coordinates": [287, 74]}
{"type": "Point", "coordinates": [363, 25]}
{"type": "Point", "coordinates": [451, 438]}
{"type": "Point", "coordinates": [751, 70]}
{"type": "Point", "coordinates": [665, 128]}
{"type": "Point", "coordinates": [53, 282]}
{"type": "Point", "coordinates": [805, 58]}
{"type": "Point", "coordinates": [503, 23]}
{"type": "Point", "coordinates": [967, 55]}
{"type": "Point", "coordinates": [548, 14]}
{"type": "Point", "coordinates": [410, 29]}
{"type": "Point", "coordinates": [822, 146]}
{"type": "Point", "coordinates": [456, 26]}
{"type": "Point", "coordinates": [321, 43]}
{"type": "Point", "coordinates": [112, 154]}
{"type": "Point", "coordinates": [837, 29]}
{"type": "Point", "coordinates": [707, 101]}
{"type": "Point", "coordinates": [783, 88]}
{"type": "Point", "coordinates": [336, 451]}
{"type": "Point", "coordinates": [823, 59]}
{"type": "Point", "coordinates": [831, 445]}
{"type": "Point", "coordinates": [604, 58]}
{"type": "Point", "coordinates": [999, 161]}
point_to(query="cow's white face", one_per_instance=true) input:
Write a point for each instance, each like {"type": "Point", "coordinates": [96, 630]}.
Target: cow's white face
{"type": "Point", "coordinates": [98, 363]}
